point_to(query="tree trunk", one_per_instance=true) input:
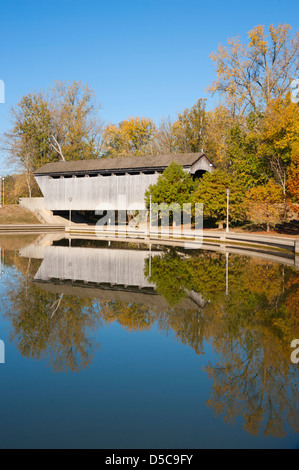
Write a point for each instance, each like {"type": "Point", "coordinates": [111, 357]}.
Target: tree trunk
{"type": "Point", "coordinates": [28, 184]}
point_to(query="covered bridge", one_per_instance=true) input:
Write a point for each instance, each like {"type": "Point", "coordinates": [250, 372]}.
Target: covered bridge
{"type": "Point", "coordinates": [112, 183]}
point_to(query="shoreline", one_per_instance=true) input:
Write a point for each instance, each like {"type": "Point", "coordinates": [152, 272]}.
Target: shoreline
{"type": "Point", "coordinates": [270, 240]}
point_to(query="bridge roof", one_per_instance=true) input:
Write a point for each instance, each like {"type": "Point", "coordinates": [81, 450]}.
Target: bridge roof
{"type": "Point", "coordinates": [153, 162]}
{"type": "Point", "coordinates": [148, 297]}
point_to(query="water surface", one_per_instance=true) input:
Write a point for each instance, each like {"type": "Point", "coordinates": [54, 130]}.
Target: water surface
{"type": "Point", "coordinates": [114, 345]}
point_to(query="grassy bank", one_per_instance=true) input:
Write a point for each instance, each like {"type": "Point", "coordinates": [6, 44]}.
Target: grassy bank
{"type": "Point", "coordinates": [15, 214]}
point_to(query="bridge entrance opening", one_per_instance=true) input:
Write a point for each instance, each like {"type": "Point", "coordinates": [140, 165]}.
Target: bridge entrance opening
{"type": "Point", "coordinates": [198, 174]}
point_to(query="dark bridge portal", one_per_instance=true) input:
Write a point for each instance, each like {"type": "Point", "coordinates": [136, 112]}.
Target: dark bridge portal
{"type": "Point", "coordinates": [199, 174]}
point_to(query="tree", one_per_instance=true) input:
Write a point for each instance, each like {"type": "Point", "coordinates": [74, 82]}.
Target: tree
{"type": "Point", "coordinates": [189, 128]}
{"type": "Point", "coordinates": [242, 151]}
{"type": "Point", "coordinates": [131, 138]}
{"type": "Point", "coordinates": [55, 327]}
{"type": "Point", "coordinates": [64, 115]}
{"type": "Point", "coordinates": [279, 131]}
{"type": "Point", "coordinates": [28, 141]}
{"type": "Point", "coordinates": [265, 204]}
{"type": "Point", "coordinates": [211, 192]}
{"type": "Point", "coordinates": [76, 126]}
{"type": "Point", "coordinates": [175, 185]}
{"type": "Point", "coordinates": [250, 75]}
{"type": "Point", "coordinates": [170, 275]}
{"type": "Point", "coordinates": [132, 316]}
{"type": "Point", "coordinates": [216, 136]}
{"type": "Point", "coordinates": [164, 138]}
{"type": "Point", "coordinates": [16, 186]}
{"type": "Point", "coordinates": [293, 174]}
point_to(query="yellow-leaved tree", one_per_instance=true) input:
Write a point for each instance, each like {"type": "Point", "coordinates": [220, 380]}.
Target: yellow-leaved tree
{"type": "Point", "coordinates": [265, 204]}
{"type": "Point", "coordinates": [293, 174]}
{"type": "Point", "coordinates": [277, 135]}
{"type": "Point", "coordinates": [250, 75]}
{"type": "Point", "coordinates": [132, 137]}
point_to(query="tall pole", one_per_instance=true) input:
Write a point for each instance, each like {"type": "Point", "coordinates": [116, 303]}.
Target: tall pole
{"type": "Point", "coordinates": [70, 212]}
{"type": "Point", "coordinates": [227, 209]}
{"type": "Point", "coordinates": [2, 261]}
{"type": "Point", "coordinates": [226, 274]}
{"type": "Point", "coordinates": [150, 224]}
{"type": "Point", "coordinates": [3, 190]}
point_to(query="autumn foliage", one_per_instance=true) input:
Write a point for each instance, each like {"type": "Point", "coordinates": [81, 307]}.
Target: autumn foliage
{"type": "Point", "coordinates": [265, 204]}
{"type": "Point", "coordinates": [293, 175]}
{"type": "Point", "coordinates": [251, 136]}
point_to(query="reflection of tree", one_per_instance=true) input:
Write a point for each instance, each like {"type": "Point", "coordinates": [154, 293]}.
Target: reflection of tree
{"type": "Point", "coordinates": [188, 326]}
{"type": "Point", "coordinates": [169, 275]}
{"type": "Point", "coordinates": [252, 379]}
{"type": "Point", "coordinates": [250, 329]}
{"type": "Point", "coordinates": [130, 316]}
{"type": "Point", "coordinates": [175, 275]}
{"type": "Point", "coordinates": [291, 330]}
{"type": "Point", "coordinates": [52, 326]}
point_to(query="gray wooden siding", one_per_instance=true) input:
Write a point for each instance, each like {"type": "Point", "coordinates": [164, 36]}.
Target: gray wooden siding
{"type": "Point", "coordinates": [120, 267]}
{"type": "Point", "coordinates": [115, 192]}
{"type": "Point", "coordinates": [123, 192]}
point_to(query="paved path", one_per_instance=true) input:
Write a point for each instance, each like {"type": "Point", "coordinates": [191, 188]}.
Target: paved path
{"type": "Point", "coordinates": [31, 227]}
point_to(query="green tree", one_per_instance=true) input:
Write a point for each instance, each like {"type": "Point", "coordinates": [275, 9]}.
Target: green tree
{"type": "Point", "coordinates": [244, 161]}
{"type": "Point", "coordinates": [211, 192]}
{"type": "Point", "coordinates": [175, 185]}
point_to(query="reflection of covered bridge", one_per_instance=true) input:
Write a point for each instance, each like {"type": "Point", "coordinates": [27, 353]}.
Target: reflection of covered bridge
{"type": "Point", "coordinates": [108, 274]}
{"type": "Point", "coordinates": [114, 183]}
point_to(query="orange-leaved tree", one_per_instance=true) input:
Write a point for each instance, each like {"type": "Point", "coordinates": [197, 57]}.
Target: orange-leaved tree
{"type": "Point", "coordinates": [293, 174]}
{"type": "Point", "coordinates": [278, 134]}
{"type": "Point", "coordinates": [264, 204]}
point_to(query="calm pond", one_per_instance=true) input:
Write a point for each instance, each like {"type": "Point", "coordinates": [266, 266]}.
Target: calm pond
{"type": "Point", "coordinates": [117, 346]}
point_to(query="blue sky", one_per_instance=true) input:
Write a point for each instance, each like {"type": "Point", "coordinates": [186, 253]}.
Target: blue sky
{"type": "Point", "coordinates": [141, 57]}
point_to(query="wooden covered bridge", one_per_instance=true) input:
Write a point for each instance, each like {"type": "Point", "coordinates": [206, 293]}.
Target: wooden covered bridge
{"type": "Point", "coordinates": [109, 184]}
